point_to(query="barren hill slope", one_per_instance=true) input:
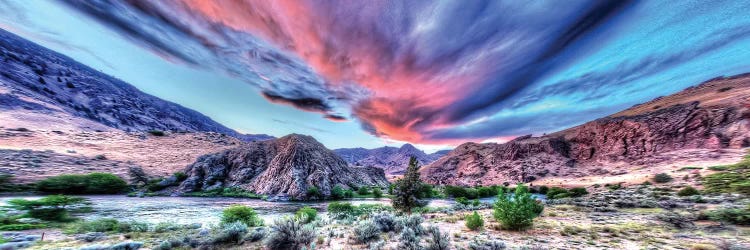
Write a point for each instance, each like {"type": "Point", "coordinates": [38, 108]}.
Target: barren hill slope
{"type": "Point", "coordinates": [705, 122]}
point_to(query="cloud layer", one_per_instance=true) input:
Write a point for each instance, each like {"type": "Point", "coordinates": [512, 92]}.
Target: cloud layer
{"type": "Point", "coordinates": [443, 71]}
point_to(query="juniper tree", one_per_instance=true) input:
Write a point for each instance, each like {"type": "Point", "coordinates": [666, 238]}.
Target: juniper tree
{"type": "Point", "coordinates": [406, 190]}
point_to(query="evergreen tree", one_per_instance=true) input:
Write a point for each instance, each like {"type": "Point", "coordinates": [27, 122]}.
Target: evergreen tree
{"type": "Point", "coordinates": [406, 190]}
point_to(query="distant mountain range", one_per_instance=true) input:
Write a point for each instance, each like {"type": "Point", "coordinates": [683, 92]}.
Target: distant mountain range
{"type": "Point", "coordinates": [696, 124]}
{"type": "Point", "coordinates": [391, 159]}
{"type": "Point", "coordinates": [37, 80]}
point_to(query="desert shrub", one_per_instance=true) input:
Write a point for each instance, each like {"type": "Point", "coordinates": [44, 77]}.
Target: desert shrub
{"type": "Point", "coordinates": [740, 187]}
{"type": "Point", "coordinates": [366, 231]}
{"type": "Point", "coordinates": [156, 132]}
{"type": "Point", "coordinates": [577, 192]}
{"type": "Point", "coordinates": [437, 240]}
{"type": "Point", "coordinates": [233, 232]}
{"type": "Point", "coordinates": [462, 201]}
{"type": "Point", "coordinates": [240, 213]}
{"type": "Point", "coordinates": [129, 245]}
{"type": "Point", "coordinates": [306, 214]}
{"type": "Point", "coordinates": [50, 208]}
{"type": "Point", "coordinates": [474, 221]}
{"type": "Point", "coordinates": [409, 240]}
{"type": "Point", "coordinates": [662, 178]}
{"type": "Point", "coordinates": [737, 216]}
{"type": "Point", "coordinates": [363, 191]}
{"type": "Point", "coordinates": [385, 221]}
{"type": "Point", "coordinates": [517, 211]}
{"type": "Point", "coordinates": [256, 235]}
{"type": "Point", "coordinates": [289, 234]}
{"type": "Point", "coordinates": [314, 192]}
{"type": "Point", "coordinates": [688, 191]}
{"type": "Point", "coordinates": [677, 220]}
{"type": "Point", "coordinates": [613, 187]}
{"type": "Point", "coordinates": [478, 244]}
{"type": "Point", "coordinates": [413, 222]}
{"type": "Point", "coordinates": [377, 193]}
{"type": "Point", "coordinates": [94, 183]}
{"type": "Point", "coordinates": [730, 178]}
{"type": "Point", "coordinates": [406, 190]}
{"type": "Point", "coordinates": [337, 192]}
{"type": "Point", "coordinates": [476, 202]}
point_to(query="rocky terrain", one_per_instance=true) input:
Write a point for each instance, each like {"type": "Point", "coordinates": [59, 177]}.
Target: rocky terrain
{"type": "Point", "coordinates": [52, 90]}
{"type": "Point", "coordinates": [286, 167]}
{"type": "Point", "coordinates": [708, 121]}
{"type": "Point", "coordinates": [30, 154]}
{"type": "Point", "coordinates": [391, 159]}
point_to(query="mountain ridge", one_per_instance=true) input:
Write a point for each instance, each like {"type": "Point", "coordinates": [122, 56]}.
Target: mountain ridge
{"type": "Point", "coordinates": [710, 116]}
{"type": "Point", "coordinates": [393, 160]}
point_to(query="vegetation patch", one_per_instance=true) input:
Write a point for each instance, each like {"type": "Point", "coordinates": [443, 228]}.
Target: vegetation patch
{"type": "Point", "coordinates": [93, 183]}
{"type": "Point", "coordinates": [242, 214]}
{"type": "Point", "coordinates": [517, 211]}
{"type": "Point", "coordinates": [733, 178]}
{"type": "Point", "coordinates": [225, 192]}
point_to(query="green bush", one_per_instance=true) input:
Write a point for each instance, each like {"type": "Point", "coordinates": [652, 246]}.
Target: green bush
{"type": "Point", "coordinates": [474, 221]}
{"type": "Point", "coordinates": [462, 201]}
{"type": "Point", "coordinates": [337, 193]}
{"type": "Point", "coordinates": [340, 208]}
{"type": "Point", "coordinates": [306, 214]}
{"type": "Point", "coordinates": [363, 191]}
{"type": "Point", "coordinates": [688, 191]}
{"type": "Point", "coordinates": [577, 192]}
{"type": "Point", "coordinates": [741, 187]}
{"type": "Point", "coordinates": [49, 208]}
{"type": "Point", "coordinates": [543, 189]}
{"type": "Point", "coordinates": [180, 176]}
{"type": "Point", "coordinates": [225, 192]}
{"type": "Point", "coordinates": [735, 216]}
{"type": "Point", "coordinates": [377, 193]}
{"type": "Point", "coordinates": [553, 191]}
{"type": "Point", "coordinates": [289, 234]}
{"type": "Point", "coordinates": [94, 183]}
{"type": "Point", "coordinates": [662, 178]}
{"type": "Point", "coordinates": [313, 192]}
{"type": "Point", "coordinates": [516, 211]}
{"type": "Point", "coordinates": [241, 213]}
{"type": "Point", "coordinates": [231, 233]}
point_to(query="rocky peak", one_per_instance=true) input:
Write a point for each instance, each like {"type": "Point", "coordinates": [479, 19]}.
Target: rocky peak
{"type": "Point", "coordinates": [283, 167]}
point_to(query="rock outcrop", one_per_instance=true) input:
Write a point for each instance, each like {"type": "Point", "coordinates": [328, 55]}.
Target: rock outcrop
{"type": "Point", "coordinates": [391, 159]}
{"type": "Point", "coordinates": [284, 167]}
{"type": "Point", "coordinates": [40, 81]}
{"type": "Point", "coordinates": [712, 115]}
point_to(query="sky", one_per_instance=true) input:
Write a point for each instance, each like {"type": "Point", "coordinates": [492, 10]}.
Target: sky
{"type": "Point", "coordinates": [372, 73]}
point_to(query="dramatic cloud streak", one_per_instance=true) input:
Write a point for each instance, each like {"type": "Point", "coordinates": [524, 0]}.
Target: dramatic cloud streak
{"type": "Point", "coordinates": [444, 71]}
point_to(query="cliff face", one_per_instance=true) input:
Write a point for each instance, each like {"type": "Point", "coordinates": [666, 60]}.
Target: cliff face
{"type": "Point", "coordinates": [391, 159]}
{"type": "Point", "coordinates": [713, 115]}
{"type": "Point", "coordinates": [284, 167]}
{"type": "Point", "coordinates": [46, 84]}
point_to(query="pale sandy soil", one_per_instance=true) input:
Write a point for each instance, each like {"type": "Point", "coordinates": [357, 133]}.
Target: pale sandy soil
{"type": "Point", "coordinates": [672, 163]}
{"type": "Point", "coordinates": [158, 155]}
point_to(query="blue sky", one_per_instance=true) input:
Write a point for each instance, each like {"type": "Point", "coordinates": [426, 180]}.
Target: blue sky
{"type": "Point", "coordinates": [370, 73]}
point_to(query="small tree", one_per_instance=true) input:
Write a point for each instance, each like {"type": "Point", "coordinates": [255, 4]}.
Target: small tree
{"type": "Point", "coordinates": [516, 211]}
{"type": "Point", "coordinates": [363, 191]}
{"type": "Point", "coordinates": [313, 192]}
{"type": "Point", "coordinates": [474, 221]}
{"type": "Point", "coordinates": [688, 191]}
{"type": "Point", "coordinates": [406, 189]}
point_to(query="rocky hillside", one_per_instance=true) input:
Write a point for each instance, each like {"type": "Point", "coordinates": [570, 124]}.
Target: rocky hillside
{"type": "Point", "coordinates": [35, 80]}
{"type": "Point", "coordinates": [391, 159]}
{"type": "Point", "coordinates": [711, 116]}
{"type": "Point", "coordinates": [284, 167]}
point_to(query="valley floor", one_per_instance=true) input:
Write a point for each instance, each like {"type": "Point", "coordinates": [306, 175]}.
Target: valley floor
{"type": "Point", "coordinates": [637, 217]}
